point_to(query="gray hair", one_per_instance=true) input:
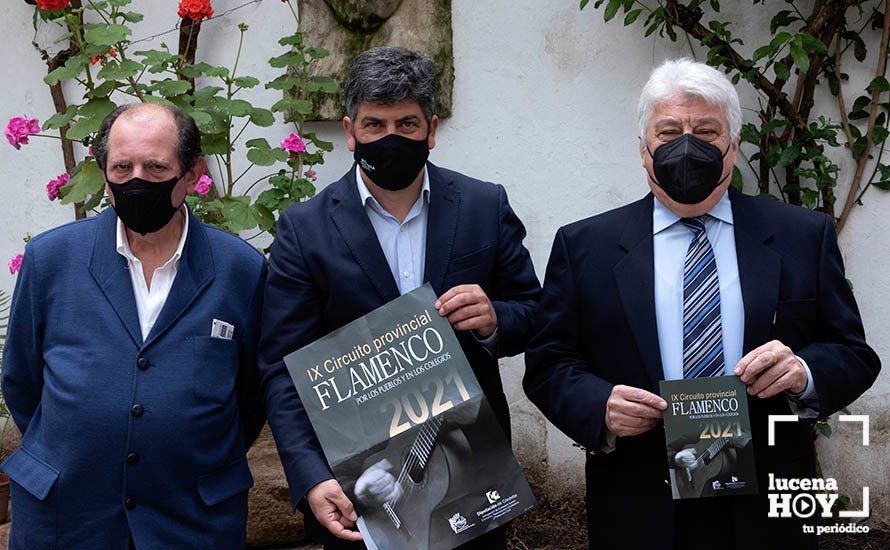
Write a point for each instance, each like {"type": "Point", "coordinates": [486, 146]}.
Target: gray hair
{"type": "Point", "coordinates": [389, 75]}
{"type": "Point", "coordinates": [188, 148]}
{"type": "Point", "coordinates": [685, 77]}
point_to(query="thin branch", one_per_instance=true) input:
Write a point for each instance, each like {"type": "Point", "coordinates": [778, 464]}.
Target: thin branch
{"type": "Point", "coordinates": [872, 116]}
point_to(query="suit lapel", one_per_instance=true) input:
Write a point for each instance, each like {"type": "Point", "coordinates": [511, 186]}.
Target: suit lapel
{"type": "Point", "coordinates": [348, 214]}
{"type": "Point", "coordinates": [194, 273]}
{"type": "Point", "coordinates": [635, 277]}
{"type": "Point", "coordinates": [111, 273]}
{"type": "Point", "coordinates": [759, 268]}
{"type": "Point", "coordinates": [441, 228]}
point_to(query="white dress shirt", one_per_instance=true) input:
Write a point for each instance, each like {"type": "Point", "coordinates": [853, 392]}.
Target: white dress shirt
{"type": "Point", "coordinates": [149, 301]}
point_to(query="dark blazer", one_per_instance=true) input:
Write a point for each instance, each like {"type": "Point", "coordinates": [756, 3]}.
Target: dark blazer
{"type": "Point", "coordinates": [596, 328]}
{"type": "Point", "coordinates": [124, 435]}
{"type": "Point", "coordinates": [327, 268]}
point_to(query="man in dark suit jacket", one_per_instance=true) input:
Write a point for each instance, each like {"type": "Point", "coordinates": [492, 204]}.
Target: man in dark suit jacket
{"type": "Point", "coordinates": [391, 223]}
{"type": "Point", "coordinates": [130, 363]}
{"type": "Point", "coordinates": [693, 280]}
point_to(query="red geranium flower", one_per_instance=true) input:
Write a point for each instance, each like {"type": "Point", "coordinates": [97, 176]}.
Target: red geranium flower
{"type": "Point", "coordinates": [53, 5]}
{"type": "Point", "coordinates": [196, 10]}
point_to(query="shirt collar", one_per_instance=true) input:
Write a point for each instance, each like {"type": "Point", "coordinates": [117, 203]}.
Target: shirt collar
{"type": "Point", "coordinates": [365, 195]}
{"type": "Point", "coordinates": [123, 244]}
{"type": "Point", "coordinates": [662, 217]}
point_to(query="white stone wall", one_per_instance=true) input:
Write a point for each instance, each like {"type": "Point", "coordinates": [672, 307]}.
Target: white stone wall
{"type": "Point", "coordinates": [544, 103]}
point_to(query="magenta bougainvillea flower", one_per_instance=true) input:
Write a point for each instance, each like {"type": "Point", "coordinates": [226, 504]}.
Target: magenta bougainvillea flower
{"type": "Point", "coordinates": [15, 264]}
{"type": "Point", "coordinates": [19, 128]}
{"type": "Point", "coordinates": [55, 185]}
{"type": "Point", "coordinates": [294, 144]}
{"type": "Point", "coordinates": [204, 184]}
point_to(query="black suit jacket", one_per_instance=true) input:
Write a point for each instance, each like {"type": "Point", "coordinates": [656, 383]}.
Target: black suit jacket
{"type": "Point", "coordinates": [327, 269]}
{"type": "Point", "coordinates": [596, 328]}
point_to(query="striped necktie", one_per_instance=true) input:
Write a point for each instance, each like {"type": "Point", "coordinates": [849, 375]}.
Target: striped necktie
{"type": "Point", "coordinates": [702, 329]}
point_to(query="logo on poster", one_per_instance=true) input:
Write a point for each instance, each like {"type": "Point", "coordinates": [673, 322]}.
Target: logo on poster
{"type": "Point", "coordinates": [458, 523]}
{"type": "Point", "coordinates": [492, 496]}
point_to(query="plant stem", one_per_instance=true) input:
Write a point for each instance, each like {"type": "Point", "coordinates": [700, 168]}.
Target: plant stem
{"type": "Point", "coordinates": [869, 132]}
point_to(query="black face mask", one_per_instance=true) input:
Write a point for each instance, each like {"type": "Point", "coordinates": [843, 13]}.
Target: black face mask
{"type": "Point", "coordinates": [144, 206]}
{"type": "Point", "coordinates": [688, 168]}
{"type": "Point", "coordinates": [392, 162]}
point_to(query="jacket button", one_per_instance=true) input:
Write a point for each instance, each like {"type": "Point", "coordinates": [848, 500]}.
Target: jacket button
{"type": "Point", "coordinates": [142, 363]}
{"type": "Point", "coordinates": [132, 458]}
{"type": "Point", "coordinates": [137, 410]}
{"type": "Point", "coordinates": [130, 503]}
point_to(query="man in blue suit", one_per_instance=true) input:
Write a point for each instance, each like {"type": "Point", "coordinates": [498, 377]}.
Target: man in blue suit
{"type": "Point", "coordinates": [391, 223]}
{"type": "Point", "coordinates": [696, 279]}
{"type": "Point", "coordinates": [130, 360]}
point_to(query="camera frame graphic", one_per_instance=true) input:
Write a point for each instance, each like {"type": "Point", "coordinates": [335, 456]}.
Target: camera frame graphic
{"type": "Point", "coordinates": [861, 418]}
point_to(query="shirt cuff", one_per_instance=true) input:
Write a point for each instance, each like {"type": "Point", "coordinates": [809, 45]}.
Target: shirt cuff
{"type": "Point", "coordinates": [804, 404]}
{"type": "Point", "coordinates": [487, 343]}
{"type": "Point", "coordinates": [608, 443]}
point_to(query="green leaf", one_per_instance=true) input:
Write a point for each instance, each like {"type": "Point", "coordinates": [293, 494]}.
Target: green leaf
{"type": "Point", "coordinates": [737, 178]}
{"type": "Point", "coordinates": [214, 144]}
{"type": "Point", "coordinates": [262, 117]}
{"type": "Point", "coordinates": [632, 16]}
{"type": "Point", "coordinates": [157, 100]}
{"type": "Point", "coordinates": [323, 83]}
{"type": "Point", "coordinates": [258, 142]}
{"type": "Point", "coordinates": [235, 107]}
{"type": "Point", "coordinates": [262, 156]}
{"type": "Point", "coordinates": [292, 40]}
{"type": "Point", "coordinates": [879, 84]}
{"type": "Point", "coordinates": [60, 119]}
{"type": "Point", "coordinates": [106, 35]}
{"type": "Point", "coordinates": [782, 71]}
{"type": "Point", "coordinates": [859, 50]}
{"type": "Point", "coordinates": [123, 70]}
{"type": "Point", "coordinates": [283, 82]}
{"type": "Point", "coordinates": [790, 154]}
{"type": "Point", "coordinates": [71, 69]}
{"type": "Point", "coordinates": [172, 87]}
{"type": "Point", "coordinates": [103, 90]}
{"type": "Point", "coordinates": [87, 181]}
{"type": "Point", "coordinates": [286, 60]}
{"type": "Point", "coordinates": [302, 106]}
{"type": "Point", "coordinates": [132, 16]}
{"type": "Point", "coordinates": [811, 42]}
{"type": "Point", "coordinates": [205, 69]}
{"type": "Point", "coordinates": [823, 428]}
{"type": "Point", "coordinates": [799, 56]}
{"type": "Point", "coordinates": [245, 81]}
{"type": "Point", "coordinates": [317, 53]}
{"type": "Point", "coordinates": [264, 217]}
{"type": "Point", "coordinates": [91, 115]}
{"type": "Point", "coordinates": [882, 185]}
{"type": "Point", "coordinates": [859, 147]}
{"type": "Point", "coordinates": [880, 135]}
{"type": "Point", "coordinates": [156, 58]}
{"type": "Point", "coordinates": [237, 213]}
{"type": "Point", "coordinates": [584, 3]}
{"type": "Point", "coordinates": [206, 123]}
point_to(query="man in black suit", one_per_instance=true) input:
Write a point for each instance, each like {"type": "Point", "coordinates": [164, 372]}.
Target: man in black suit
{"type": "Point", "coordinates": [393, 222]}
{"type": "Point", "coordinates": [696, 279]}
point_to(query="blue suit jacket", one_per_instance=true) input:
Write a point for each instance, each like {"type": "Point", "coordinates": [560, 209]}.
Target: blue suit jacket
{"type": "Point", "coordinates": [121, 434]}
{"type": "Point", "coordinates": [596, 328]}
{"type": "Point", "coordinates": [327, 268]}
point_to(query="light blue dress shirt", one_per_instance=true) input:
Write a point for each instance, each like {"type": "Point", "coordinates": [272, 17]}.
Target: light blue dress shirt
{"type": "Point", "coordinates": [671, 241]}
{"type": "Point", "coordinates": [403, 243]}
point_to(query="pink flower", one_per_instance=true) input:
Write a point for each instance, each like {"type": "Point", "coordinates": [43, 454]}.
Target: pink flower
{"type": "Point", "coordinates": [55, 185]}
{"type": "Point", "coordinates": [204, 184]}
{"type": "Point", "coordinates": [19, 128]}
{"type": "Point", "coordinates": [15, 264]}
{"type": "Point", "coordinates": [294, 144]}
{"type": "Point", "coordinates": [311, 175]}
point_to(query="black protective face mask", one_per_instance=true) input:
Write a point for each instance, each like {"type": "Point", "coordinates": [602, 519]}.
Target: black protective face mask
{"type": "Point", "coordinates": [392, 162]}
{"type": "Point", "coordinates": [688, 168]}
{"type": "Point", "coordinates": [144, 206]}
